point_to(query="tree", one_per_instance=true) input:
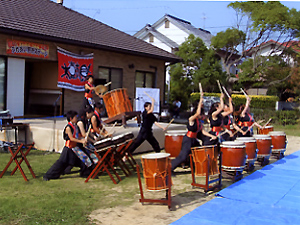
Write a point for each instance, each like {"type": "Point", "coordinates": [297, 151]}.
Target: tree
{"type": "Point", "coordinates": [263, 20]}
{"type": "Point", "coordinates": [199, 64]}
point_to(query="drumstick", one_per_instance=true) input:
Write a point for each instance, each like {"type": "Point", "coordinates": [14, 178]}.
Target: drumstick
{"type": "Point", "coordinates": [111, 128]}
{"type": "Point", "coordinates": [169, 124]}
{"type": "Point", "coordinates": [107, 84]}
{"type": "Point", "coordinates": [254, 124]}
{"type": "Point", "coordinates": [219, 86]}
{"type": "Point", "coordinates": [267, 122]}
{"type": "Point", "coordinates": [147, 94]}
{"type": "Point", "coordinates": [87, 134]}
{"type": "Point", "coordinates": [226, 91]}
{"type": "Point", "coordinates": [200, 89]}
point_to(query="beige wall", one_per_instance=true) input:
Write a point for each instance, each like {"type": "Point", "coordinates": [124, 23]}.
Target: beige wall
{"type": "Point", "coordinates": [44, 74]}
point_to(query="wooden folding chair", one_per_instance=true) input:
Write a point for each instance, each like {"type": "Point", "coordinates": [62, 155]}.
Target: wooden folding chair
{"type": "Point", "coordinates": [15, 156]}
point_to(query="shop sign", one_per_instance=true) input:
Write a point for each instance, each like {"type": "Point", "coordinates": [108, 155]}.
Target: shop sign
{"type": "Point", "coordinates": [24, 48]}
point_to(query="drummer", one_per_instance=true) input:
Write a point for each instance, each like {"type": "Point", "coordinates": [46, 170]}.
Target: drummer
{"type": "Point", "coordinates": [145, 132]}
{"type": "Point", "coordinates": [245, 120]}
{"type": "Point", "coordinates": [71, 154]}
{"type": "Point", "coordinates": [89, 91]}
{"type": "Point", "coordinates": [98, 129]}
{"type": "Point", "coordinates": [190, 139]}
{"type": "Point", "coordinates": [216, 116]}
{"type": "Point", "coordinates": [228, 121]}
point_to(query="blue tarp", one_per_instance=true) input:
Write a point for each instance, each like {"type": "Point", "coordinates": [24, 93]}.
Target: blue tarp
{"type": "Point", "coordinates": [268, 196]}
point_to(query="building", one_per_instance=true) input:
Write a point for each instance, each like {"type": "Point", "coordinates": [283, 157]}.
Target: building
{"type": "Point", "coordinates": [169, 32]}
{"type": "Point", "coordinates": [28, 81]}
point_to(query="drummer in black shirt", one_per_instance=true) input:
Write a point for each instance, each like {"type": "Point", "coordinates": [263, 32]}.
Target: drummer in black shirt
{"type": "Point", "coordinates": [146, 130]}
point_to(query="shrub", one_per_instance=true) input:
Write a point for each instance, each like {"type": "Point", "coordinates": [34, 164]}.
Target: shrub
{"type": "Point", "coordinates": [287, 117]}
{"type": "Point", "coordinates": [257, 101]}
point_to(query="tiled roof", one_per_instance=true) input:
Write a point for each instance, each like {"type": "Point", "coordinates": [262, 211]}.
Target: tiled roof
{"type": "Point", "coordinates": [48, 20]}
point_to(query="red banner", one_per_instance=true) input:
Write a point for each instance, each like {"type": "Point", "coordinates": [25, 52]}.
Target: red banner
{"type": "Point", "coordinates": [73, 69]}
{"type": "Point", "coordinates": [25, 48]}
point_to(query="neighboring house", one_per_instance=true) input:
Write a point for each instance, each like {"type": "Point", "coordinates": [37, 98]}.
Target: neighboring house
{"type": "Point", "coordinates": [271, 48]}
{"type": "Point", "coordinates": [170, 32]}
{"type": "Point", "coordinates": [28, 84]}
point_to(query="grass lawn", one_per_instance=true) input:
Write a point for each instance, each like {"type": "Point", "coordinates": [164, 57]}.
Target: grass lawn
{"type": "Point", "coordinates": [293, 130]}
{"type": "Point", "coordinates": [68, 200]}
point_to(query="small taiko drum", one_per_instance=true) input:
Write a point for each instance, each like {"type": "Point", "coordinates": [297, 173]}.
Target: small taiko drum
{"type": "Point", "coordinates": [173, 141]}
{"type": "Point", "coordinates": [117, 102]}
{"type": "Point", "coordinates": [233, 155]}
{"type": "Point", "coordinates": [118, 139]}
{"type": "Point", "coordinates": [265, 130]}
{"type": "Point", "coordinates": [251, 148]}
{"type": "Point", "coordinates": [204, 155]}
{"type": "Point", "coordinates": [103, 144]}
{"type": "Point", "coordinates": [278, 141]}
{"type": "Point", "coordinates": [264, 145]}
{"type": "Point", "coordinates": [155, 170]}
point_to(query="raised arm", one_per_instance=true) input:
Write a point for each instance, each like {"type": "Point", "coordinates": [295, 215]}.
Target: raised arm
{"type": "Point", "coordinates": [220, 108]}
{"type": "Point", "coordinates": [230, 108]}
{"type": "Point", "coordinates": [246, 106]}
{"type": "Point", "coordinates": [198, 112]}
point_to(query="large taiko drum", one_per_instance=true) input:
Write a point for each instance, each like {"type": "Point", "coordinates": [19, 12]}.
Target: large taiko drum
{"type": "Point", "coordinates": [173, 141]}
{"type": "Point", "coordinates": [201, 157]}
{"type": "Point", "coordinates": [155, 169]}
{"type": "Point", "coordinates": [264, 145]}
{"type": "Point", "coordinates": [265, 130]}
{"type": "Point", "coordinates": [251, 148]}
{"type": "Point", "coordinates": [278, 141]}
{"type": "Point", "coordinates": [117, 102]}
{"type": "Point", "coordinates": [233, 155]}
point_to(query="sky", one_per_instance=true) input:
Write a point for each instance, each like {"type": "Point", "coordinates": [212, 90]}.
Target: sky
{"type": "Point", "coordinates": [130, 16]}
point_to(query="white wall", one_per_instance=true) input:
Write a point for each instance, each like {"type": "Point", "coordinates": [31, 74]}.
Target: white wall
{"type": "Point", "coordinates": [15, 86]}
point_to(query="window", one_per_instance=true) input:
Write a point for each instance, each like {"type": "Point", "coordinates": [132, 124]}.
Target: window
{"type": "Point", "coordinates": [167, 24]}
{"type": "Point", "coordinates": [113, 75]}
{"type": "Point", "coordinates": [2, 84]}
{"type": "Point", "coordinates": [144, 79]}
{"type": "Point", "coordinates": [151, 38]}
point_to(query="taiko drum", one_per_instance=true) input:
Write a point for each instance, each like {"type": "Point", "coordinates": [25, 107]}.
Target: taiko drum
{"type": "Point", "coordinates": [278, 141]}
{"type": "Point", "coordinates": [202, 156]}
{"type": "Point", "coordinates": [264, 145]}
{"type": "Point", "coordinates": [251, 147]}
{"type": "Point", "coordinates": [117, 102]}
{"type": "Point", "coordinates": [173, 142]}
{"type": "Point", "coordinates": [233, 155]}
{"type": "Point", "coordinates": [265, 130]}
{"type": "Point", "coordinates": [155, 169]}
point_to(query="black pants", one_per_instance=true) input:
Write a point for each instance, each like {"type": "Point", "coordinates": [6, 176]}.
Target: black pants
{"type": "Point", "coordinates": [67, 158]}
{"type": "Point", "coordinates": [142, 136]}
{"type": "Point", "coordinates": [187, 144]}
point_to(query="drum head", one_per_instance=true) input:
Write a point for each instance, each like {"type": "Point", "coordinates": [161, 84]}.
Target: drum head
{"type": "Point", "coordinates": [245, 139]}
{"type": "Point", "coordinates": [268, 127]}
{"type": "Point", "coordinates": [102, 141]}
{"type": "Point", "coordinates": [175, 132]}
{"type": "Point", "coordinates": [156, 156]}
{"type": "Point", "coordinates": [233, 144]}
{"type": "Point", "coordinates": [117, 137]}
{"type": "Point", "coordinates": [262, 136]}
{"type": "Point", "coordinates": [277, 133]}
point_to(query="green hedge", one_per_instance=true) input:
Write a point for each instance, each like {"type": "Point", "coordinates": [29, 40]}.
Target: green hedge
{"type": "Point", "coordinates": [257, 101]}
